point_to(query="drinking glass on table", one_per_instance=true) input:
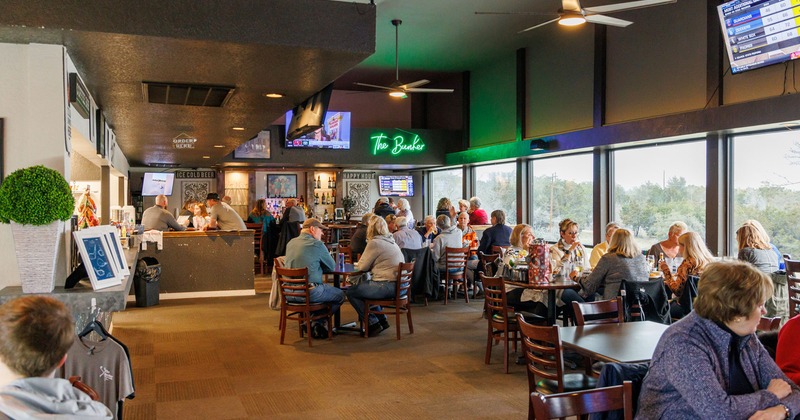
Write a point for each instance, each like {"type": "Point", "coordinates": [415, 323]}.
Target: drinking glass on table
{"type": "Point", "coordinates": [651, 262]}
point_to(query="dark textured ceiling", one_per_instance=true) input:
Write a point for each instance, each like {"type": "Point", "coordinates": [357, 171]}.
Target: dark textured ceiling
{"type": "Point", "coordinates": [295, 47]}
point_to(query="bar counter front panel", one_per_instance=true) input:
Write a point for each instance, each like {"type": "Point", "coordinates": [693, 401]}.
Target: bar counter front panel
{"type": "Point", "coordinates": [204, 261]}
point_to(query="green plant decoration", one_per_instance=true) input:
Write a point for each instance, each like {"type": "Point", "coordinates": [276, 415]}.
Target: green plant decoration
{"type": "Point", "coordinates": [348, 203]}
{"type": "Point", "coordinates": [35, 196]}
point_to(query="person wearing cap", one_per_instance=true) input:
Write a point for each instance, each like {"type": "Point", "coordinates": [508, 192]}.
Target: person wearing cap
{"type": "Point", "coordinates": [222, 215]}
{"type": "Point", "coordinates": [308, 251]}
{"type": "Point", "coordinates": [159, 218]}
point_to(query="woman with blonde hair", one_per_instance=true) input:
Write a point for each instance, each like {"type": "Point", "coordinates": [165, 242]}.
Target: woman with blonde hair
{"type": "Point", "coordinates": [568, 249]}
{"type": "Point", "coordinates": [755, 249]}
{"type": "Point", "coordinates": [766, 239]}
{"type": "Point", "coordinates": [710, 364]}
{"type": "Point", "coordinates": [695, 258]}
{"type": "Point", "coordinates": [623, 261]}
{"type": "Point", "coordinates": [381, 258]}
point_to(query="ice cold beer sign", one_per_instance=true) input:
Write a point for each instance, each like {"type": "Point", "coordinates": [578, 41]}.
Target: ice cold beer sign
{"type": "Point", "coordinates": [397, 144]}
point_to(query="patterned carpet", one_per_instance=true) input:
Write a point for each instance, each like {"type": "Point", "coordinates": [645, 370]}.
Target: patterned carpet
{"type": "Point", "coordinates": [220, 358]}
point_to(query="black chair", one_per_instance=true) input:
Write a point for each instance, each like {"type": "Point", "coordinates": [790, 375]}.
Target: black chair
{"type": "Point", "coordinates": [689, 293]}
{"type": "Point", "coordinates": [645, 301]}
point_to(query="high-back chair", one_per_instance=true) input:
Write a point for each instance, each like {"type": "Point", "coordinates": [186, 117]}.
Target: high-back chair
{"type": "Point", "coordinates": [580, 403]}
{"type": "Point", "coordinates": [456, 271]}
{"type": "Point", "coordinates": [488, 263]}
{"type": "Point", "coordinates": [645, 301]}
{"type": "Point", "coordinates": [769, 324]}
{"type": "Point", "coordinates": [793, 282]}
{"type": "Point", "coordinates": [502, 323]}
{"type": "Point", "coordinates": [258, 230]}
{"type": "Point", "coordinates": [397, 304]}
{"type": "Point", "coordinates": [689, 293]}
{"type": "Point", "coordinates": [546, 361]}
{"type": "Point", "coordinates": [293, 283]}
{"type": "Point", "coordinates": [599, 312]}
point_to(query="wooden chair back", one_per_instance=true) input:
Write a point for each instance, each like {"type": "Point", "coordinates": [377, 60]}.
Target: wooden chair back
{"type": "Point", "coordinates": [501, 322]}
{"type": "Point", "coordinates": [488, 263]}
{"type": "Point", "coordinates": [456, 270]}
{"type": "Point", "coordinates": [769, 324]}
{"type": "Point", "coordinates": [497, 249]}
{"type": "Point", "coordinates": [348, 253]}
{"type": "Point", "coordinates": [600, 312]}
{"type": "Point", "coordinates": [344, 242]}
{"type": "Point", "coordinates": [293, 283]}
{"type": "Point", "coordinates": [542, 346]}
{"type": "Point", "coordinates": [397, 304]}
{"type": "Point", "coordinates": [793, 282]}
{"type": "Point", "coordinates": [258, 230]}
{"type": "Point", "coordinates": [581, 403]}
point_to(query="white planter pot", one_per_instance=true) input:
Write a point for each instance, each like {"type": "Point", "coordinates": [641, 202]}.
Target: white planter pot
{"type": "Point", "coordinates": [37, 251]}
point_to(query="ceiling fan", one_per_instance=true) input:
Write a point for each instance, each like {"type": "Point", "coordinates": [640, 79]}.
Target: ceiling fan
{"type": "Point", "coordinates": [571, 13]}
{"type": "Point", "coordinates": [400, 90]}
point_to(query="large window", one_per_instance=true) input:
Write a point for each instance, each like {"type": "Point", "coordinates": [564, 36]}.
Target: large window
{"type": "Point", "coordinates": [657, 186]}
{"type": "Point", "coordinates": [562, 188]}
{"type": "Point", "coordinates": [447, 183]}
{"type": "Point", "coordinates": [496, 186]}
{"type": "Point", "coordinates": [766, 181]}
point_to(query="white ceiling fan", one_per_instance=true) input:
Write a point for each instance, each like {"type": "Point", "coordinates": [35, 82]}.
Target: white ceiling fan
{"type": "Point", "coordinates": [571, 13]}
{"type": "Point", "coordinates": [398, 89]}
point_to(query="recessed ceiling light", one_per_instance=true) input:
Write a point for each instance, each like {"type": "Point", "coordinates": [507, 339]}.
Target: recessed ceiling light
{"type": "Point", "coordinates": [206, 157]}
{"type": "Point", "coordinates": [238, 128]}
{"type": "Point", "coordinates": [219, 146]}
{"type": "Point", "coordinates": [273, 95]}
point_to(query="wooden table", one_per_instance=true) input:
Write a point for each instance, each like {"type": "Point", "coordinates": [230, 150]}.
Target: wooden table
{"type": "Point", "coordinates": [628, 342]}
{"type": "Point", "coordinates": [551, 288]}
{"type": "Point", "coordinates": [338, 271]}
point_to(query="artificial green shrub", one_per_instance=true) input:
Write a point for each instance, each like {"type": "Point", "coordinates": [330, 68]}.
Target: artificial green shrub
{"type": "Point", "coordinates": [35, 196]}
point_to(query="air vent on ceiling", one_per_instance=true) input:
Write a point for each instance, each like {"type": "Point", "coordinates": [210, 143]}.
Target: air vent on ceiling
{"type": "Point", "coordinates": [186, 94]}
{"type": "Point", "coordinates": [163, 165]}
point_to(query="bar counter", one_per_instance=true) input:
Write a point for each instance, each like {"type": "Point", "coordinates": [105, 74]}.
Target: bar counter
{"type": "Point", "coordinates": [194, 261]}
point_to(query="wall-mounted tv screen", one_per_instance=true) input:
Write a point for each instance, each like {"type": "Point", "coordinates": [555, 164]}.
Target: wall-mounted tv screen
{"type": "Point", "coordinates": [334, 134]}
{"type": "Point", "coordinates": [396, 185]}
{"type": "Point", "coordinates": [758, 33]}
{"type": "Point", "coordinates": [155, 183]}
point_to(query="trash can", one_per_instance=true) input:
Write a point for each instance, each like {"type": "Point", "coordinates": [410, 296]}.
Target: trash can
{"type": "Point", "coordinates": [145, 281]}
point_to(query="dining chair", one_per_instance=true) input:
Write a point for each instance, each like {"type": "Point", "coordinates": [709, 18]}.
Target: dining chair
{"type": "Point", "coordinates": [545, 357]}
{"type": "Point", "coordinates": [488, 263]}
{"type": "Point", "coordinates": [599, 312]}
{"type": "Point", "coordinates": [497, 249]}
{"type": "Point", "coordinates": [455, 271]}
{"type": "Point", "coordinates": [258, 230]}
{"type": "Point", "coordinates": [689, 293]}
{"type": "Point", "coordinates": [580, 403]}
{"type": "Point", "coordinates": [793, 283]}
{"type": "Point", "coordinates": [769, 324]}
{"type": "Point", "coordinates": [397, 304]}
{"type": "Point", "coordinates": [293, 283]}
{"type": "Point", "coordinates": [501, 319]}
{"type": "Point", "coordinates": [645, 301]}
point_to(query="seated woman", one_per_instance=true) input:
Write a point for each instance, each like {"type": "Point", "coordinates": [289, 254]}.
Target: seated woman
{"type": "Point", "coordinates": [755, 249]}
{"type": "Point", "coordinates": [787, 352]}
{"type": "Point", "coordinates": [404, 210]}
{"type": "Point", "coordinates": [765, 236]}
{"type": "Point", "coordinates": [521, 299]}
{"type": "Point", "coordinates": [568, 249]}
{"type": "Point", "coordinates": [201, 217]}
{"type": "Point", "coordinates": [710, 364]}
{"type": "Point", "coordinates": [669, 246]}
{"type": "Point", "coordinates": [445, 207]}
{"type": "Point", "coordinates": [623, 261]}
{"type": "Point", "coordinates": [260, 214]}
{"type": "Point", "coordinates": [429, 231]}
{"type": "Point", "coordinates": [695, 258]}
{"type": "Point", "coordinates": [381, 258]}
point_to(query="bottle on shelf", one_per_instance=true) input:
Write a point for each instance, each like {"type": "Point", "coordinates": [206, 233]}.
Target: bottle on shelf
{"type": "Point", "coordinates": [333, 181]}
{"type": "Point", "coordinates": [325, 216]}
{"type": "Point", "coordinates": [317, 183]}
{"type": "Point", "coordinates": [301, 199]}
{"type": "Point", "coordinates": [316, 198]}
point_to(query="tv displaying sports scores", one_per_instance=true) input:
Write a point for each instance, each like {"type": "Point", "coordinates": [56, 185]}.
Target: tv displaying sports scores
{"type": "Point", "coordinates": [155, 183]}
{"type": "Point", "coordinates": [396, 185]}
{"type": "Point", "coordinates": [759, 33]}
{"type": "Point", "coordinates": [334, 133]}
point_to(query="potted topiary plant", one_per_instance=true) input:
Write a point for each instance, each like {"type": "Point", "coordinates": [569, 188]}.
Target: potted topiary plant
{"type": "Point", "coordinates": [348, 204]}
{"type": "Point", "coordinates": [36, 201]}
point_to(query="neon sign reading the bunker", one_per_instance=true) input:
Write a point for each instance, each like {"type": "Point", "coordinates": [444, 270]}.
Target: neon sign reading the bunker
{"type": "Point", "coordinates": [397, 144]}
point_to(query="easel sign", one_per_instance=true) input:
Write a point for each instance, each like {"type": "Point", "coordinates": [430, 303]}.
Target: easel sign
{"type": "Point", "coordinates": [115, 246]}
{"type": "Point", "coordinates": [98, 258]}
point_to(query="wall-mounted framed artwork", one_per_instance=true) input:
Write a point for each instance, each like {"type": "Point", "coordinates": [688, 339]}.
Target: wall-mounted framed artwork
{"type": "Point", "coordinates": [256, 148]}
{"type": "Point", "coordinates": [281, 185]}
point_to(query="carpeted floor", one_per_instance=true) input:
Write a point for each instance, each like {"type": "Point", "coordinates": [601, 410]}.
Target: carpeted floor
{"type": "Point", "coordinates": [220, 358]}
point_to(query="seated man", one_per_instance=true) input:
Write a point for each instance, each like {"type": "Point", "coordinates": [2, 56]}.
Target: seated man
{"type": "Point", "coordinates": [159, 218]}
{"type": "Point", "coordinates": [450, 237]}
{"type": "Point", "coordinates": [405, 237]}
{"type": "Point", "coordinates": [307, 250]}
{"type": "Point", "coordinates": [35, 334]}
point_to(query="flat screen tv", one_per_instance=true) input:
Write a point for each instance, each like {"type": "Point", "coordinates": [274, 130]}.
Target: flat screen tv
{"type": "Point", "coordinates": [155, 183]}
{"type": "Point", "coordinates": [396, 185]}
{"type": "Point", "coordinates": [334, 133]}
{"type": "Point", "coordinates": [758, 33]}
{"type": "Point", "coordinates": [309, 115]}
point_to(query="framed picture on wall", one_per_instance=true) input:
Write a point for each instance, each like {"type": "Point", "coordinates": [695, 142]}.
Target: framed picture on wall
{"type": "Point", "coordinates": [281, 185]}
{"type": "Point", "coordinates": [255, 148]}
{"type": "Point", "coordinates": [97, 257]}
{"type": "Point", "coordinates": [338, 213]}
